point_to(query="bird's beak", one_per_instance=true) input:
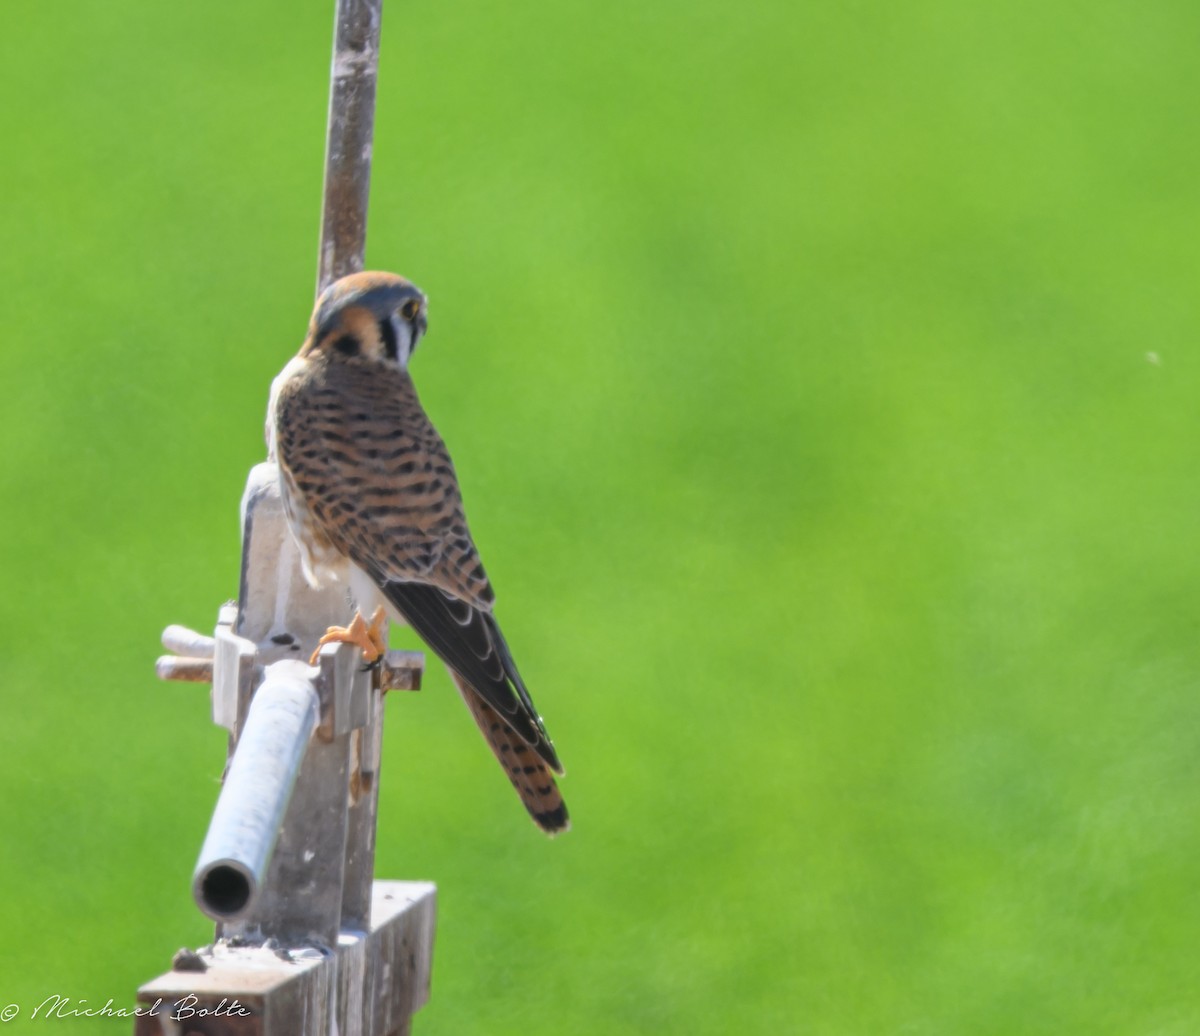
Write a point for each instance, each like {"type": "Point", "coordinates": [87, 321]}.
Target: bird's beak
{"type": "Point", "coordinates": [419, 323]}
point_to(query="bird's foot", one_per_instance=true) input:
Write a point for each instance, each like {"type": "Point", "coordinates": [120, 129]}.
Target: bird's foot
{"type": "Point", "coordinates": [370, 638]}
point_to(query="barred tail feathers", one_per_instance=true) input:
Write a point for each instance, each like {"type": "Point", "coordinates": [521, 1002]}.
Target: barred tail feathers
{"type": "Point", "coordinates": [530, 776]}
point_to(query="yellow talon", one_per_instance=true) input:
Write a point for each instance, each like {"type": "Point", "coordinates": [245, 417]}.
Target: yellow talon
{"type": "Point", "coordinates": [370, 638]}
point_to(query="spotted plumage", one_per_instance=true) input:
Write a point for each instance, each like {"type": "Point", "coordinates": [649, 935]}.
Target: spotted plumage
{"type": "Point", "coordinates": [372, 499]}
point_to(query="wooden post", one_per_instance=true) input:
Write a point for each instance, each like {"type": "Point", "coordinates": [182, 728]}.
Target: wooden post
{"type": "Point", "coordinates": [307, 942]}
{"type": "Point", "coordinates": [372, 983]}
{"type": "Point", "coordinates": [348, 144]}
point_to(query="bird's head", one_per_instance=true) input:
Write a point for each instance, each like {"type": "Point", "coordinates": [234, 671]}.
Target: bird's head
{"type": "Point", "coordinates": [376, 316]}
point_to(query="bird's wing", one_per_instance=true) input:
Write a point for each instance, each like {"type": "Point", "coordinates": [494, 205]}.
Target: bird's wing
{"type": "Point", "coordinates": [376, 478]}
{"type": "Point", "coordinates": [379, 485]}
{"type": "Point", "coordinates": [469, 641]}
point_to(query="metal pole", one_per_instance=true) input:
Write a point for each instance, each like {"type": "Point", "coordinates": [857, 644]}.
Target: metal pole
{"type": "Point", "coordinates": [245, 825]}
{"type": "Point", "coordinates": [348, 145]}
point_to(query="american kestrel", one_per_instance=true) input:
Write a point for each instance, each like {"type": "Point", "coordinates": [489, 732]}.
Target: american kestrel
{"type": "Point", "coordinates": [372, 500]}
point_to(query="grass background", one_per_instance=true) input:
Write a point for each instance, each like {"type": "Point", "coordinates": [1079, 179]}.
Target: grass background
{"type": "Point", "coordinates": [822, 379]}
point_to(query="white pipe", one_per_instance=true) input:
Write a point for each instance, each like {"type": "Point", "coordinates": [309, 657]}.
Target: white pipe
{"type": "Point", "coordinates": [245, 824]}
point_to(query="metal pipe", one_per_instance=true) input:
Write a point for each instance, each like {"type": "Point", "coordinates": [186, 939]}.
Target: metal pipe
{"type": "Point", "coordinates": [348, 144]}
{"type": "Point", "coordinates": [245, 825]}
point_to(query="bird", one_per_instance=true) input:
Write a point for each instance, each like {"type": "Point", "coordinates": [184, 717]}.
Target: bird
{"type": "Point", "coordinates": [372, 500]}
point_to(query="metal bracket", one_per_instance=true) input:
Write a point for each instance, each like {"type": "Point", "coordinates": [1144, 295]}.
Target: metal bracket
{"type": "Point", "coordinates": [290, 851]}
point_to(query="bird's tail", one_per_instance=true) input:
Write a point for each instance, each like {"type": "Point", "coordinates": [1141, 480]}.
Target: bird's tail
{"type": "Point", "coordinates": [529, 775]}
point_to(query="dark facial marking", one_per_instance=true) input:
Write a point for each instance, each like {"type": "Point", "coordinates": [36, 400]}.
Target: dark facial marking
{"type": "Point", "coordinates": [347, 345]}
{"type": "Point", "coordinates": [388, 332]}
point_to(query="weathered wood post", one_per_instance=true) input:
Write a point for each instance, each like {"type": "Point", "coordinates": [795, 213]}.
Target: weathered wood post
{"type": "Point", "coordinates": [307, 942]}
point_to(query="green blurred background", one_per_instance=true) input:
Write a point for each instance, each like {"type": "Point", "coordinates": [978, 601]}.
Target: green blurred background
{"type": "Point", "coordinates": [822, 379]}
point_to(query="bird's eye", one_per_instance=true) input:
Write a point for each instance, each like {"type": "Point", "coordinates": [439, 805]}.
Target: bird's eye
{"type": "Point", "coordinates": [410, 309]}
